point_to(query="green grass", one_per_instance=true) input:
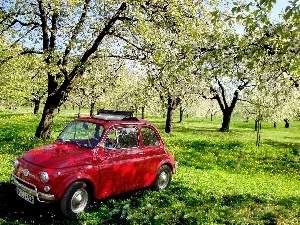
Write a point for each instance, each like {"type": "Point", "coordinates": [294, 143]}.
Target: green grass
{"type": "Point", "coordinates": [207, 188]}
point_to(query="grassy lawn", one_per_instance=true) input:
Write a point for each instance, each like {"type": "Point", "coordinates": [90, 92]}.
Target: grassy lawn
{"type": "Point", "coordinates": [207, 188]}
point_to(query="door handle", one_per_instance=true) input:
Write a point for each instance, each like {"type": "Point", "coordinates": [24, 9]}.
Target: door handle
{"type": "Point", "coordinates": [141, 153]}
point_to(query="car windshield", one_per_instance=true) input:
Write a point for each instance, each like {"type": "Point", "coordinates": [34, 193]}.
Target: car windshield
{"type": "Point", "coordinates": [82, 133]}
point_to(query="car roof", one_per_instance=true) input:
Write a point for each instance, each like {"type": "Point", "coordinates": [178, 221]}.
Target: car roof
{"type": "Point", "coordinates": [113, 117]}
{"type": "Point", "coordinates": [115, 122]}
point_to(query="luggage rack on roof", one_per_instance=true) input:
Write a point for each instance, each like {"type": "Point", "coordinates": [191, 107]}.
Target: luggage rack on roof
{"type": "Point", "coordinates": [114, 115]}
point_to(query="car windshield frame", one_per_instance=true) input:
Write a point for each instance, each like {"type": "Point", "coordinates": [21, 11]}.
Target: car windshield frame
{"type": "Point", "coordinates": [82, 133]}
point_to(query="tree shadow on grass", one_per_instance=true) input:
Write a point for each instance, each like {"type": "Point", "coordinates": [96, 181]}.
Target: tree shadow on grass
{"type": "Point", "coordinates": [293, 148]}
{"type": "Point", "coordinates": [286, 162]}
{"type": "Point", "coordinates": [193, 129]}
{"type": "Point", "coordinates": [14, 210]}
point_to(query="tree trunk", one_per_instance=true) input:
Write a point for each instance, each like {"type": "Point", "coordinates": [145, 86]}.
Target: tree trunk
{"type": "Point", "coordinates": [256, 124]}
{"type": "Point", "coordinates": [36, 107]}
{"type": "Point", "coordinates": [226, 120]}
{"type": "Point", "coordinates": [181, 110]}
{"type": "Point", "coordinates": [135, 109]}
{"type": "Point", "coordinates": [79, 111]}
{"type": "Point", "coordinates": [92, 109]}
{"type": "Point", "coordinates": [172, 104]}
{"type": "Point", "coordinates": [143, 112]}
{"type": "Point", "coordinates": [44, 128]}
{"type": "Point", "coordinates": [57, 94]}
{"type": "Point", "coordinates": [227, 109]}
{"type": "Point", "coordinates": [169, 120]}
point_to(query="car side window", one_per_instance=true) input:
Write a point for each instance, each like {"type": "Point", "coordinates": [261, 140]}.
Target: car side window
{"type": "Point", "coordinates": [122, 137]}
{"type": "Point", "coordinates": [149, 137]}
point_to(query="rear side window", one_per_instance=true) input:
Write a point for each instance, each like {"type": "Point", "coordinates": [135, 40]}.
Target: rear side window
{"type": "Point", "coordinates": [122, 137]}
{"type": "Point", "coordinates": [149, 137]}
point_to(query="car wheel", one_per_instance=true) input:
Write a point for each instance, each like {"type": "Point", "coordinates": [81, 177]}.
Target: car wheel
{"type": "Point", "coordinates": [163, 178]}
{"type": "Point", "coordinates": [75, 200]}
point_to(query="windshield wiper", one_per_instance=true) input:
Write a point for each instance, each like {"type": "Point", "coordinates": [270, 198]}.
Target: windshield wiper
{"type": "Point", "coordinates": [73, 141]}
{"type": "Point", "coordinates": [60, 139]}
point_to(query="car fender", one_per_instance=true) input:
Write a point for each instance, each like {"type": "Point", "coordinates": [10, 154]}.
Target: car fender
{"type": "Point", "coordinates": [73, 177]}
{"type": "Point", "coordinates": [166, 162]}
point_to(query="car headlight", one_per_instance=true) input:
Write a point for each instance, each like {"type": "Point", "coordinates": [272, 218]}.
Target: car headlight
{"type": "Point", "coordinates": [16, 164]}
{"type": "Point", "coordinates": [44, 177]}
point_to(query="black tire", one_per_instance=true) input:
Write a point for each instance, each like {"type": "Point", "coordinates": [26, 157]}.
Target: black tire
{"type": "Point", "coordinates": [163, 178]}
{"type": "Point", "coordinates": [75, 200]}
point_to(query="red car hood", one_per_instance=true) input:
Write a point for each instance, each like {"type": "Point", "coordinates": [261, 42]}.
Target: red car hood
{"type": "Point", "coordinates": [59, 155]}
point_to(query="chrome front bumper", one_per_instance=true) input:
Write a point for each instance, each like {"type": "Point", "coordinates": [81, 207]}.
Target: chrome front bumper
{"type": "Point", "coordinates": [41, 197]}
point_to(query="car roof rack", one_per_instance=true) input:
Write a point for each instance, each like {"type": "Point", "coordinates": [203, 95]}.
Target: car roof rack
{"type": "Point", "coordinates": [105, 114]}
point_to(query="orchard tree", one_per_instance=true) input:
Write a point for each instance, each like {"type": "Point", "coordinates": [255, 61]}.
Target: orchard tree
{"type": "Point", "coordinates": [140, 95]}
{"type": "Point", "coordinates": [126, 92]}
{"type": "Point", "coordinates": [10, 76]}
{"type": "Point", "coordinates": [57, 30]}
{"type": "Point", "coordinates": [276, 41]}
{"type": "Point", "coordinates": [78, 97]}
{"type": "Point", "coordinates": [89, 91]}
{"type": "Point", "coordinates": [100, 79]}
{"type": "Point", "coordinates": [274, 103]}
{"type": "Point", "coordinates": [193, 104]}
{"type": "Point", "coordinates": [171, 67]}
{"type": "Point", "coordinates": [172, 87]}
{"type": "Point", "coordinates": [235, 63]}
{"type": "Point", "coordinates": [211, 108]}
{"type": "Point", "coordinates": [22, 82]}
{"type": "Point", "coordinates": [274, 49]}
{"type": "Point", "coordinates": [229, 78]}
{"type": "Point", "coordinates": [274, 96]}
{"type": "Point", "coordinates": [36, 82]}
{"type": "Point", "coordinates": [173, 37]}
{"type": "Point", "coordinates": [66, 34]}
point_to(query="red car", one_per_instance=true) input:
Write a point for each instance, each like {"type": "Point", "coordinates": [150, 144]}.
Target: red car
{"type": "Point", "coordinates": [94, 157]}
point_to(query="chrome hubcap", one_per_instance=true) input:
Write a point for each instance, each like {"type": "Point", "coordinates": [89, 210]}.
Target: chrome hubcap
{"type": "Point", "coordinates": [79, 200]}
{"type": "Point", "coordinates": [163, 180]}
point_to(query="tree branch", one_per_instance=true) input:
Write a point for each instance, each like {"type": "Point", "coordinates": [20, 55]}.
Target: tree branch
{"type": "Point", "coordinates": [75, 32]}
{"type": "Point", "coordinates": [129, 42]}
{"type": "Point", "coordinates": [23, 36]}
{"type": "Point", "coordinates": [53, 30]}
{"type": "Point", "coordinates": [222, 93]}
{"type": "Point", "coordinates": [103, 33]}
{"type": "Point", "coordinates": [30, 51]}
{"type": "Point", "coordinates": [129, 57]}
{"type": "Point", "coordinates": [217, 97]}
{"type": "Point", "coordinates": [45, 28]}
{"type": "Point", "coordinates": [21, 53]}
{"type": "Point", "coordinates": [79, 67]}
{"type": "Point", "coordinates": [22, 23]}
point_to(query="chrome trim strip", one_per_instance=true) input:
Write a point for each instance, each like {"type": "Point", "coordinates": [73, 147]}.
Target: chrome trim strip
{"type": "Point", "coordinates": [41, 197]}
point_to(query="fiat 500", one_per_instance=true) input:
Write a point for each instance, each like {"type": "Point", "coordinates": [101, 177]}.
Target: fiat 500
{"type": "Point", "coordinates": [94, 157]}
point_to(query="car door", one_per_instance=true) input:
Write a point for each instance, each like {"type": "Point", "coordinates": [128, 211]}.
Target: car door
{"type": "Point", "coordinates": [133, 172]}
{"type": "Point", "coordinates": [120, 164]}
{"type": "Point", "coordinates": [154, 152]}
